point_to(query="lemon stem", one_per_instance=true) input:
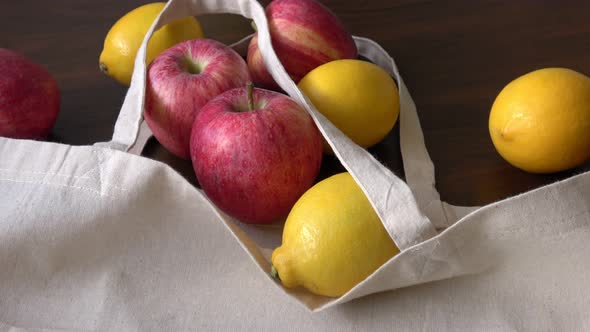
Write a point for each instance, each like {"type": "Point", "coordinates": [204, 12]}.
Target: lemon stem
{"type": "Point", "coordinates": [103, 68]}
{"type": "Point", "coordinates": [274, 273]}
{"type": "Point", "coordinates": [250, 91]}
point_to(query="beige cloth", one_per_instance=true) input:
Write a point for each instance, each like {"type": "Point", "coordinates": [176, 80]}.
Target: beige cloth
{"type": "Point", "coordinates": [92, 238]}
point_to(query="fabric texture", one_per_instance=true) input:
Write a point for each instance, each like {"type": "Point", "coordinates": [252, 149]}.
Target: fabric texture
{"type": "Point", "coordinates": [97, 238]}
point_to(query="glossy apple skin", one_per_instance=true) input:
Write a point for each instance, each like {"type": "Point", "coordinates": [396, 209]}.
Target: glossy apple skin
{"type": "Point", "coordinates": [254, 165]}
{"type": "Point", "coordinates": [304, 34]}
{"type": "Point", "coordinates": [175, 93]}
{"type": "Point", "coordinates": [29, 98]}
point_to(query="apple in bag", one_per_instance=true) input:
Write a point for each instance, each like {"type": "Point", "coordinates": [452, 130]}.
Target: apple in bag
{"type": "Point", "coordinates": [304, 34]}
{"type": "Point", "coordinates": [255, 152]}
{"type": "Point", "coordinates": [183, 79]}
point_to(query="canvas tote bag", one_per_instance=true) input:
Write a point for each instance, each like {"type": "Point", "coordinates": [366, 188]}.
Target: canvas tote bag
{"type": "Point", "coordinates": [95, 238]}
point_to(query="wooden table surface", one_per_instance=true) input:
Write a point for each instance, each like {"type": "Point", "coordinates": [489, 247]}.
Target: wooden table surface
{"type": "Point", "coordinates": [455, 57]}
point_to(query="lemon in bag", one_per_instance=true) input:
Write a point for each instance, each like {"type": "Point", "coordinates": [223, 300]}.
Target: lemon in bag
{"type": "Point", "coordinates": [125, 36]}
{"type": "Point", "coordinates": [358, 97]}
{"type": "Point", "coordinates": [332, 239]}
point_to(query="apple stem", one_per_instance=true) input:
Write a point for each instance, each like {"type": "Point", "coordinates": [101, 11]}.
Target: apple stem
{"type": "Point", "coordinates": [274, 273]}
{"type": "Point", "coordinates": [250, 91]}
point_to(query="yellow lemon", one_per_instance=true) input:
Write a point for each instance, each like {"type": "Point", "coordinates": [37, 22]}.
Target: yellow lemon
{"type": "Point", "coordinates": [332, 239]}
{"type": "Point", "coordinates": [125, 37]}
{"type": "Point", "coordinates": [540, 122]}
{"type": "Point", "coordinates": [358, 97]}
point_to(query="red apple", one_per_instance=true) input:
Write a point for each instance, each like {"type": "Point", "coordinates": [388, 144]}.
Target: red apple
{"type": "Point", "coordinates": [304, 35]}
{"type": "Point", "coordinates": [29, 97]}
{"type": "Point", "coordinates": [255, 159]}
{"type": "Point", "coordinates": [183, 79]}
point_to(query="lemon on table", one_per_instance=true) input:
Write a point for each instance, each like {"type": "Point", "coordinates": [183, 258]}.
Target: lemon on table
{"type": "Point", "coordinates": [125, 36]}
{"type": "Point", "coordinates": [358, 97]}
{"type": "Point", "coordinates": [540, 122]}
{"type": "Point", "coordinates": [332, 239]}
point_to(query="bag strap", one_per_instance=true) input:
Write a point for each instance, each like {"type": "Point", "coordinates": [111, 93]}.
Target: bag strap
{"type": "Point", "coordinates": [418, 166]}
{"type": "Point", "coordinates": [392, 198]}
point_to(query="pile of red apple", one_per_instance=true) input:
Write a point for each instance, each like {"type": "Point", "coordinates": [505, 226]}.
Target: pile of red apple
{"type": "Point", "coordinates": [254, 151]}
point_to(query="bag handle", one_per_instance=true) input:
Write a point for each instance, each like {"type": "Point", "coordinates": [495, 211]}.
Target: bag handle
{"type": "Point", "coordinates": [391, 197]}
{"type": "Point", "coordinates": [418, 166]}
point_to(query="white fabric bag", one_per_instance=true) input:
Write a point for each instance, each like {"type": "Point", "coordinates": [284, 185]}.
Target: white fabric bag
{"type": "Point", "coordinates": [95, 238]}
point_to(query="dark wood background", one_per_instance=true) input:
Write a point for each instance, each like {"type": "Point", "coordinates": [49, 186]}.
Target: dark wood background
{"type": "Point", "coordinates": [455, 57]}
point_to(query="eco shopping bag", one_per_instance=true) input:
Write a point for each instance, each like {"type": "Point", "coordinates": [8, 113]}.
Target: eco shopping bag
{"type": "Point", "coordinates": [98, 238]}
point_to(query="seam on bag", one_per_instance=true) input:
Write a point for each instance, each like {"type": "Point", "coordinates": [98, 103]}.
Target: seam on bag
{"type": "Point", "coordinates": [70, 176]}
{"type": "Point", "coordinates": [102, 184]}
{"type": "Point", "coordinates": [558, 222]}
{"type": "Point", "coordinates": [56, 184]}
{"type": "Point", "coordinates": [106, 183]}
{"type": "Point", "coordinates": [426, 260]}
{"type": "Point", "coordinates": [99, 154]}
{"type": "Point", "coordinates": [38, 328]}
{"type": "Point", "coordinates": [43, 173]}
{"type": "Point", "coordinates": [109, 185]}
{"type": "Point", "coordinates": [517, 231]}
{"type": "Point", "coordinates": [444, 213]}
{"type": "Point", "coordinates": [99, 162]}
